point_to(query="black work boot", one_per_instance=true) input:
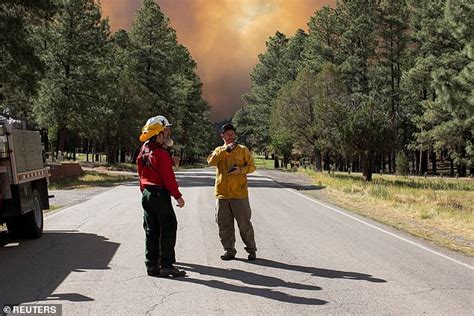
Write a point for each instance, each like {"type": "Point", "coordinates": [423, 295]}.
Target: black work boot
{"type": "Point", "coordinates": [228, 255]}
{"type": "Point", "coordinates": [153, 271]}
{"type": "Point", "coordinates": [252, 256]}
{"type": "Point", "coordinates": [172, 272]}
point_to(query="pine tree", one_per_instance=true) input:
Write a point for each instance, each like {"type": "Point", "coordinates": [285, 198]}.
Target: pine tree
{"type": "Point", "coordinates": [20, 65]}
{"type": "Point", "coordinates": [441, 79]}
{"type": "Point", "coordinates": [153, 43]}
{"type": "Point", "coordinates": [277, 66]}
{"type": "Point", "coordinates": [357, 43]}
{"type": "Point", "coordinates": [323, 43]}
{"type": "Point", "coordinates": [454, 84]}
{"type": "Point", "coordinates": [389, 64]}
{"type": "Point", "coordinates": [167, 72]}
{"type": "Point", "coordinates": [74, 52]}
{"type": "Point", "coordinates": [295, 112]}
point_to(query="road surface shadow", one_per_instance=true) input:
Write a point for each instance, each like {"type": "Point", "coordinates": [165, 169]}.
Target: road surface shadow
{"type": "Point", "coordinates": [200, 179]}
{"type": "Point", "coordinates": [323, 273]}
{"type": "Point", "coordinates": [31, 270]}
{"type": "Point", "coordinates": [190, 179]}
{"type": "Point", "coordinates": [251, 279]}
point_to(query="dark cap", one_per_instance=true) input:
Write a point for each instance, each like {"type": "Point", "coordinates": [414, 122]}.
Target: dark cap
{"type": "Point", "coordinates": [227, 127]}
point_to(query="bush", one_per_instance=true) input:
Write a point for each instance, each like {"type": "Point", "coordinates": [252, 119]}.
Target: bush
{"type": "Point", "coordinates": [402, 164]}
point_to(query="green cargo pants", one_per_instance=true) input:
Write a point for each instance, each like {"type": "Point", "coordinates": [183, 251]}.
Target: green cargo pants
{"type": "Point", "coordinates": [159, 222]}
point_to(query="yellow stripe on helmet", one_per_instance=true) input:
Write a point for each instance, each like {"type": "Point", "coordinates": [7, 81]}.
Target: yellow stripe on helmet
{"type": "Point", "coordinates": [148, 131]}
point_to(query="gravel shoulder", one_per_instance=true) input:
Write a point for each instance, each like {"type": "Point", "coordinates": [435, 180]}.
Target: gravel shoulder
{"type": "Point", "coordinates": [65, 198]}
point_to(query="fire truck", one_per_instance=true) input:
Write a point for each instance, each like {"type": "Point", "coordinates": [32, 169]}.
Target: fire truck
{"type": "Point", "coordinates": [23, 181]}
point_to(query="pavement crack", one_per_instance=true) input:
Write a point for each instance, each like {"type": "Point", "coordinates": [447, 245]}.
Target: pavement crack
{"type": "Point", "coordinates": [163, 299]}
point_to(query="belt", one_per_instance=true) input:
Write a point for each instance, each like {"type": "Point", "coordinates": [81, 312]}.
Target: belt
{"type": "Point", "coordinates": [155, 189]}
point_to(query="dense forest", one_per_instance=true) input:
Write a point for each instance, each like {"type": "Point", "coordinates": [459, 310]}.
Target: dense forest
{"type": "Point", "coordinates": [373, 86]}
{"type": "Point", "coordinates": [65, 73]}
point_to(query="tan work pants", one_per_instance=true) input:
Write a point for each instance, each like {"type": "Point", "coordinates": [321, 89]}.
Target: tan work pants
{"type": "Point", "coordinates": [227, 211]}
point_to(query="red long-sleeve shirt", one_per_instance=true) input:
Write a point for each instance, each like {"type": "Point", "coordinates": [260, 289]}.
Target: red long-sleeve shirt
{"type": "Point", "coordinates": [159, 169]}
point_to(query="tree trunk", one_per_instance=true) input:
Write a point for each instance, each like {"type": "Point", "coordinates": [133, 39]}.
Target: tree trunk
{"type": "Point", "coordinates": [461, 169]}
{"type": "Point", "coordinates": [276, 164]}
{"type": "Point", "coordinates": [74, 151]}
{"type": "Point", "coordinates": [384, 164]}
{"type": "Point", "coordinates": [367, 165]}
{"type": "Point", "coordinates": [86, 149]}
{"type": "Point", "coordinates": [433, 163]}
{"type": "Point", "coordinates": [451, 165]}
{"type": "Point", "coordinates": [424, 162]}
{"type": "Point", "coordinates": [62, 139]}
{"type": "Point", "coordinates": [111, 157]}
{"type": "Point", "coordinates": [390, 162]}
{"type": "Point", "coordinates": [417, 162]}
{"type": "Point", "coordinates": [45, 139]}
{"type": "Point", "coordinates": [356, 164]}
{"type": "Point", "coordinates": [327, 161]}
{"type": "Point", "coordinates": [317, 160]}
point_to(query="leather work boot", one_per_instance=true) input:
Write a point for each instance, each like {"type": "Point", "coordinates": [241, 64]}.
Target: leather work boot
{"type": "Point", "coordinates": [172, 272]}
{"type": "Point", "coordinates": [153, 271]}
{"type": "Point", "coordinates": [228, 256]}
{"type": "Point", "coordinates": [252, 256]}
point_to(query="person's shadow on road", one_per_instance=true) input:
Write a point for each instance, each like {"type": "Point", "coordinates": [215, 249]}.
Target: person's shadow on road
{"type": "Point", "coordinates": [323, 273]}
{"type": "Point", "coordinates": [251, 278]}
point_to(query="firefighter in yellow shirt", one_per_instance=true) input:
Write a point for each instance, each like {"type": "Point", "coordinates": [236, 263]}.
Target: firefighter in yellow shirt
{"type": "Point", "coordinates": [233, 162]}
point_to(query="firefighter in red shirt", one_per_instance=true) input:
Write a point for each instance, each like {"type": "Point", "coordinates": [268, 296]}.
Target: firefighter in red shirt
{"type": "Point", "coordinates": [158, 184]}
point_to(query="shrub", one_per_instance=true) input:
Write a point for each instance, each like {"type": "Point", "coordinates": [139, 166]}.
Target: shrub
{"type": "Point", "coordinates": [402, 164]}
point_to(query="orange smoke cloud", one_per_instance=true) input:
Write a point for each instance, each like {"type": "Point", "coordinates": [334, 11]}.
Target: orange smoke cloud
{"type": "Point", "coordinates": [224, 37]}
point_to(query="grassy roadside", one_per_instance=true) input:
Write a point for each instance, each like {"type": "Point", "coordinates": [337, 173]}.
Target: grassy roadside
{"type": "Point", "coordinates": [262, 163]}
{"type": "Point", "coordinates": [438, 210]}
{"type": "Point", "coordinates": [89, 179]}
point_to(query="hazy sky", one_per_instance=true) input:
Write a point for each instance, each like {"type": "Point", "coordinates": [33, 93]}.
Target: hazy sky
{"type": "Point", "coordinates": [224, 37]}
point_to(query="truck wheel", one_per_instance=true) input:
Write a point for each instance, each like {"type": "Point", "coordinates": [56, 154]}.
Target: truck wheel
{"type": "Point", "coordinates": [33, 223]}
{"type": "Point", "coordinates": [29, 225]}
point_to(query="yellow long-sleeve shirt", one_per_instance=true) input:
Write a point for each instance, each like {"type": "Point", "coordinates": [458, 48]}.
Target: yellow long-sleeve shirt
{"type": "Point", "coordinates": [231, 186]}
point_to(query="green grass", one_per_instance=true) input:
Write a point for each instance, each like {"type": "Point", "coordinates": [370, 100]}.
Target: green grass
{"type": "Point", "coordinates": [82, 157]}
{"type": "Point", "coordinates": [413, 182]}
{"type": "Point", "coordinates": [262, 163]}
{"type": "Point", "coordinates": [123, 167]}
{"type": "Point", "coordinates": [437, 209]}
{"type": "Point", "coordinates": [89, 179]}
{"type": "Point", "coordinates": [53, 207]}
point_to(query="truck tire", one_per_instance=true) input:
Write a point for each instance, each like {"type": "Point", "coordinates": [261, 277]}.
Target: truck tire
{"type": "Point", "coordinates": [29, 225]}
{"type": "Point", "coordinates": [33, 221]}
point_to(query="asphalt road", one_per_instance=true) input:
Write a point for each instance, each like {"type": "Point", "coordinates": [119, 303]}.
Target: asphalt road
{"type": "Point", "coordinates": [312, 259]}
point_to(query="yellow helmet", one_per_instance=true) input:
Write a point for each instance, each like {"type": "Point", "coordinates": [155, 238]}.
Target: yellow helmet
{"type": "Point", "coordinates": [152, 127]}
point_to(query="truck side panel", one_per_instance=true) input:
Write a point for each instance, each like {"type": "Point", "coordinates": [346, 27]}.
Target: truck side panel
{"type": "Point", "coordinates": [27, 147]}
